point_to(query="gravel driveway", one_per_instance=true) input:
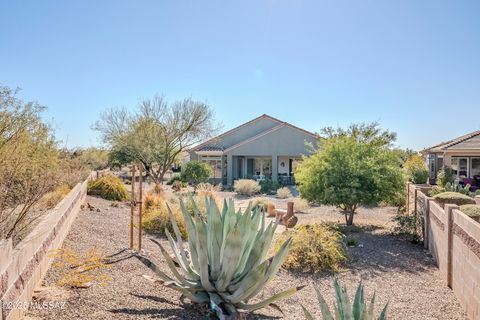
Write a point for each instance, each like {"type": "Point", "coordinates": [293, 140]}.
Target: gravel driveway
{"type": "Point", "coordinates": [400, 273]}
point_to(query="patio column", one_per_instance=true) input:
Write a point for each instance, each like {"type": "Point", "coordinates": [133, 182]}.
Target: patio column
{"type": "Point", "coordinates": [229, 169]}
{"type": "Point", "coordinates": [274, 167]}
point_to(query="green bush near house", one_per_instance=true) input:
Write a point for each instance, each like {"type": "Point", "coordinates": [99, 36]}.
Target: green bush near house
{"type": "Point", "coordinates": [453, 198]}
{"type": "Point", "coordinates": [445, 176]}
{"type": "Point", "coordinates": [269, 186]}
{"type": "Point", "coordinates": [471, 210]}
{"type": "Point", "coordinates": [173, 179]}
{"type": "Point", "coordinates": [195, 172]}
{"type": "Point", "coordinates": [315, 248]}
{"type": "Point", "coordinates": [416, 169]}
{"type": "Point", "coordinates": [108, 187]}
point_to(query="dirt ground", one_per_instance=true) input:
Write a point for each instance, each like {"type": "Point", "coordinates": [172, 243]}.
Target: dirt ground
{"type": "Point", "coordinates": [400, 273]}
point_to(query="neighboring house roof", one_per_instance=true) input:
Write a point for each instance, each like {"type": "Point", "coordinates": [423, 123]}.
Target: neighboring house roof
{"type": "Point", "coordinates": [468, 141]}
{"type": "Point", "coordinates": [212, 144]}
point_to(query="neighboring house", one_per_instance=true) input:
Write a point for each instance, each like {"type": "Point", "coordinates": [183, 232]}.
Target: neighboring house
{"type": "Point", "coordinates": [462, 155]}
{"type": "Point", "coordinates": [263, 148]}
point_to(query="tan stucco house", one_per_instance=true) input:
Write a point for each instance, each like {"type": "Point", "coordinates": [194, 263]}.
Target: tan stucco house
{"type": "Point", "coordinates": [263, 148]}
{"type": "Point", "coordinates": [461, 154]}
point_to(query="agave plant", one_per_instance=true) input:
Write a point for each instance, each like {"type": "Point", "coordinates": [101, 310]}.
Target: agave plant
{"type": "Point", "coordinates": [225, 265]}
{"type": "Point", "coordinates": [344, 310]}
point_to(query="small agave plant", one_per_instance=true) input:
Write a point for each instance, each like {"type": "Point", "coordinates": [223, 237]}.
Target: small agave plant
{"type": "Point", "coordinates": [226, 263]}
{"type": "Point", "coordinates": [344, 310]}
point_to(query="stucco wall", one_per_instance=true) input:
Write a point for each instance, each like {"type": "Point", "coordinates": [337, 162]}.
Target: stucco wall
{"type": "Point", "coordinates": [23, 268]}
{"type": "Point", "coordinates": [453, 239]}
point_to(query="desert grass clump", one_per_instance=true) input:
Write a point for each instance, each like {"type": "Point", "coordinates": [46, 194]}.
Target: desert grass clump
{"type": "Point", "coordinates": [284, 193]}
{"type": "Point", "coordinates": [471, 210]}
{"type": "Point", "coordinates": [108, 187]}
{"type": "Point", "coordinates": [80, 269]}
{"type": "Point", "coordinates": [300, 205]}
{"type": "Point", "coordinates": [156, 217]}
{"type": "Point", "coordinates": [246, 187]}
{"type": "Point", "coordinates": [207, 190]}
{"type": "Point", "coordinates": [315, 248]}
{"type": "Point", "coordinates": [261, 203]}
{"type": "Point", "coordinates": [51, 199]}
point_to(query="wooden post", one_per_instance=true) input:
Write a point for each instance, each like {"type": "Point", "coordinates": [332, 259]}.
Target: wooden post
{"type": "Point", "coordinates": [132, 206]}
{"type": "Point", "coordinates": [140, 188]}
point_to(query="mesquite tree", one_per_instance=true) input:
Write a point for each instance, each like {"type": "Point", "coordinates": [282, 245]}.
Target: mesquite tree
{"type": "Point", "coordinates": [351, 168]}
{"type": "Point", "coordinates": [157, 133]}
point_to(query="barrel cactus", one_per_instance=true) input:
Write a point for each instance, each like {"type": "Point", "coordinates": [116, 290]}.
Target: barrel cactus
{"type": "Point", "coordinates": [344, 310]}
{"type": "Point", "coordinates": [226, 263]}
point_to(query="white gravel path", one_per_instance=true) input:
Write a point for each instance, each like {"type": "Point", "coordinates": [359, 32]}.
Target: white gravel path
{"type": "Point", "coordinates": [399, 272]}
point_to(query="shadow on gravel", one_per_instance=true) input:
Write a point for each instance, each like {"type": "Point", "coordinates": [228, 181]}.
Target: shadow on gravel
{"type": "Point", "coordinates": [379, 253]}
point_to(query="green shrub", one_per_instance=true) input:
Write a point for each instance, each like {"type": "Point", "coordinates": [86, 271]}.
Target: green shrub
{"type": "Point", "coordinates": [477, 193]}
{"type": "Point", "coordinates": [344, 309]}
{"type": "Point", "coordinates": [108, 187]}
{"type": "Point", "coordinates": [453, 198]}
{"type": "Point", "coordinates": [195, 172]}
{"type": "Point", "coordinates": [471, 210]}
{"type": "Point", "coordinates": [173, 179]}
{"type": "Point", "coordinates": [409, 227]}
{"type": "Point", "coordinates": [284, 193]}
{"type": "Point", "coordinates": [416, 169]}
{"type": "Point", "coordinates": [315, 248]}
{"type": "Point", "coordinates": [352, 242]}
{"type": "Point", "coordinates": [444, 176]}
{"type": "Point", "coordinates": [269, 186]}
{"type": "Point", "coordinates": [246, 187]}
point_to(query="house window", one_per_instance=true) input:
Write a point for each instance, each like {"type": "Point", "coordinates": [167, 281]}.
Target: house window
{"type": "Point", "coordinates": [475, 169]}
{"type": "Point", "coordinates": [215, 164]}
{"type": "Point", "coordinates": [460, 167]}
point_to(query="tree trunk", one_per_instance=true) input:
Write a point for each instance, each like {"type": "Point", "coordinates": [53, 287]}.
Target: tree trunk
{"type": "Point", "coordinates": [348, 216]}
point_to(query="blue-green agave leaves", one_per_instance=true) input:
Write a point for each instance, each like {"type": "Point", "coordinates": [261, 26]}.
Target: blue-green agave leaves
{"type": "Point", "coordinates": [344, 310]}
{"type": "Point", "coordinates": [226, 264]}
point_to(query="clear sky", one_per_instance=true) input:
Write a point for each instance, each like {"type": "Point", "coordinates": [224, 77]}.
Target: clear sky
{"type": "Point", "coordinates": [412, 65]}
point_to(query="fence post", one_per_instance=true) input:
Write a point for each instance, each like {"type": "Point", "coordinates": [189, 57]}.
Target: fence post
{"type": "Point", "coordinates": [407, 211]}
{"type": "Point", "coordinates": [426, 223]}
{"type": "Point", "coordinates": [415, 195]}
{"type": "Point", "coordinates": [449, 212]}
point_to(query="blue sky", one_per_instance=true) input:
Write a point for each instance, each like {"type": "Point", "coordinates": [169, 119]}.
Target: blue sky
{"type": "Point", "coordinates": [413, 66]}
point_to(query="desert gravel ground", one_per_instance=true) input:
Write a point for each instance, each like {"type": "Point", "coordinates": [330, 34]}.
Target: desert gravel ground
{"type": "Point", "coordinates": [402, 274]}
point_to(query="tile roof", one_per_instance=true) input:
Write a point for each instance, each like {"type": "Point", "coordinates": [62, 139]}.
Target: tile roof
{"type": "Point", "coordinates": [455, 142]}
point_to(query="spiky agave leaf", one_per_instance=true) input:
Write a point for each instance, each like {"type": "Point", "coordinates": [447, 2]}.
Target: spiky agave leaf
{"type": "Point", "coordinates": [344, 309]}
{"type": "Point", "coordinates": [227, 264]}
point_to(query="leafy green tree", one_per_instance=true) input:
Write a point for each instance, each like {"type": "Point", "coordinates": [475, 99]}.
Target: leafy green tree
{"type": "Point", "coordinates": [157, 133]}
{"type": "Point", "coordinates": [416, 169]}
{"type": "Point", "coordinates": [352, 167]}
{"type": "Point", "coordinates": [94, 158]}
{"type": "Point", "coordinates": [195, 172]}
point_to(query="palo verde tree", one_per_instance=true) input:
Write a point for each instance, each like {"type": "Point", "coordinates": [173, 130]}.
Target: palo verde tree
{"type": "Point", "coordinates": [29, 162]}
{"type": "Point", "coordinates": [352, 167]}
{"type": "Point", "coordinates": [157, 133]}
